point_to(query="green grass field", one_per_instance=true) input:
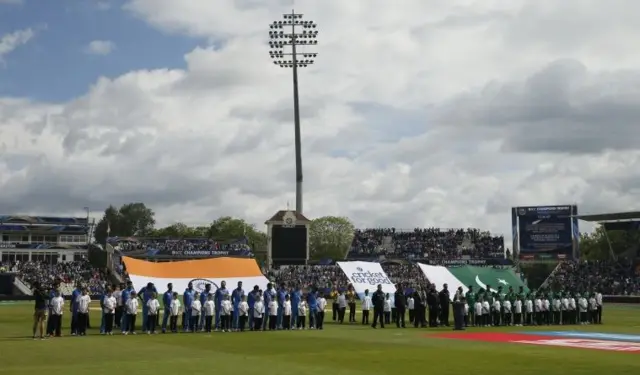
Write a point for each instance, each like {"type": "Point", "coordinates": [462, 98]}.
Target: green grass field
{"type": "Point", "coordinates": [339, 349]}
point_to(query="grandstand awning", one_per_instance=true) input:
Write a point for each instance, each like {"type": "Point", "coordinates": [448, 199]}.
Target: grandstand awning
{"type": "Point", "coordinates": [610, 217]}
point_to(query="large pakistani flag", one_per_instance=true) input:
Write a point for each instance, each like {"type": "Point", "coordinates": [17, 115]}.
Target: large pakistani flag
{"type": "Point", "coordinates": [478, 277]}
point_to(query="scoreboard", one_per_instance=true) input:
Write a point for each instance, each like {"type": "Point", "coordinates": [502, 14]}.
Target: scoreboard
{"type": "Point", "coordinates": [545, 232]}
{"type": "Point", "coordinates": [289, 244]}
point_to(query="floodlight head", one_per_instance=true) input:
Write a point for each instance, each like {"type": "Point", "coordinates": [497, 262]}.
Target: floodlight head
{"type": "Point", "coordinates": [303, 36]}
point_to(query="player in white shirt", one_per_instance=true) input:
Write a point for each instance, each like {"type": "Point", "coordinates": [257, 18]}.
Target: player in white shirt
{"type": "Point", "coordinates": [583, 304]}
{"type": "Point", "coordinates": [131, 307]}
{"type": "Point", "coordinates": [506, 307]}
{"type": "Point", "coordinates": [243, 313]}
{"type": "Point", "coordinates": [226, 309]}
{"type": "Point", "coordinates": [117, 294]}
{"type": "Point", "coordinates": [557, 308]}
{"type": "Point", "coordinates": [83, 312]}
{"type": "Point", "coordinates": [564, 310]}
{"type": "Point", "coordinates": [367, 304]}
{"type": "Point", "coordinates": [273, 314]}
{"type": "Point", "coordinates": [196, 310]}
{"type": "Point", "coordinates": [258, 313]}
{"type": "Point", "coordinates": [478, 313]}
{"type": "Point", "coordinates": [497, 307]}
{"type": "Point", "coordinates": [302, 314]}
{"type": "Point", "coordinates": [386, 309]}
{"type": "Point", "coordinates": [57, 307]}
{"type": "Point", "coordinates": [599, 308]}
{"type": "Point", "coordinates": [209, 311]}
{"type": "Point", "coordinates": [175, 309]}
{"type": "Point", "coordinates": [153, 308]}
{"type": "Point", "coordinates": [322, 305]}
{"type": "Point", "coordinates": [573, 311]}
{"type": "Point", "coordinates": [342, 306]}
{"type": "Point", "coordinates": [528, 305]}
{"type": "Point", "coordinates": [537, 308]}
{"type": "Point", "coordinates": [517, 312]}
{"type": "Point", "coordinates": [593, 310]}
{"type": "Point", "coordinates": [486, 313]}
{"type": "Point", "coordinates": [287, 310]}
{"type": "Point", "coordinates": [109, 304]}
{"type": "Point", "coordinates": [496, 312]}
{"type": "Point", "coordinates": [411, 306]}
{"type": "Point", "coordinates": [546, 309]}
{"type": "Point", "coordinates": [466, 312]}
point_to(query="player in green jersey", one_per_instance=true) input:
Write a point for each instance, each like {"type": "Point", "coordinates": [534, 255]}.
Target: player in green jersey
{"type": "Point", "coordinates": [471, 298]}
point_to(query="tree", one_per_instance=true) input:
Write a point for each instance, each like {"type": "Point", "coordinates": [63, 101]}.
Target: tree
{"type": "Point", "coordinates": [596, 245]}
{"type": "Point", "coordinates": [330, 237]}
{"type": "Point", "coordinates": [173, 230]}
{"type": "Point", "coordinates": [109, 223]}
{"type": "Point", "coordinates": [181, 230]}
{"type": "Point", "coordinates": [537, 273]}
{"type": "Point", "coordinates": [593, 246]}
{"type": "Point", "coordinates": [227, 228]}
{"type": "Point", "coordinates": [132, 219]}
{"type": "Point", "coordinates": [137, 219]}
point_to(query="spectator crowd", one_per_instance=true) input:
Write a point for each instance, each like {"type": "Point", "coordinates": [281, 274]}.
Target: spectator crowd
{"type": "Point", "coordinates": [610, 277]}
{"type": "Point", "coordinates": [422, 243]}
{"type": "Point", "coordinates": [331, 276]}
{"type": "Point", "coordinates": [66, 273]}
{"type": "Point", "coordinates": [180, 247]}
{"type": "Point", "coordinates": [399, 248]}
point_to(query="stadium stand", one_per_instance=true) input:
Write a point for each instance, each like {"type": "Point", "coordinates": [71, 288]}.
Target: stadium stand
{"type": "Point", "coordinates": [609, 277]}
{"type": "Point", "coordinates": [397, 250]}
{"type": "Point", "coordinates": [66, 274]}
{"type": "Point", "coordinates": [181, 246]}
{"type": "Point", "coordinates": [423, 243]}
{"type": "Point", "coordinates": [331, 276]}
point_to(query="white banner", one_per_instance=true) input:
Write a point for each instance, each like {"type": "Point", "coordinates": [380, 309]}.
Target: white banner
{"type": "Point", "coordinates": [367, 275]}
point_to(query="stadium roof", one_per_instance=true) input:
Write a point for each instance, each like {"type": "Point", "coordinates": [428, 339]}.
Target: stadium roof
{"type": "Point", "coordinates": [610, 217]}
{"type": "Point", "coordinates": [279, 216]}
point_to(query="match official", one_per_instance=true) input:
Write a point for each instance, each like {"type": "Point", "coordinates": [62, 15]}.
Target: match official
{"type": "Point", "coordinates": [378, 306]}
{"type": "Point", "coordinates": [400, 303]}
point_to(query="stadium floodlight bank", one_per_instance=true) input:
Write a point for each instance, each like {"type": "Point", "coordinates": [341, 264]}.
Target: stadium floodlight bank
{"type": "Point", "coordinates": [289, 39]}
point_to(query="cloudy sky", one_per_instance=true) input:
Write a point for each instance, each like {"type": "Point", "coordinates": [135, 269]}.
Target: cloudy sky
{"type": "Point", "coordinates": [417, 113]}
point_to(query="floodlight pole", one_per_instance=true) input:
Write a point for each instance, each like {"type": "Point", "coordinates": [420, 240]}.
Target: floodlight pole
{"type": "Point", "coordinates": [279, 39]}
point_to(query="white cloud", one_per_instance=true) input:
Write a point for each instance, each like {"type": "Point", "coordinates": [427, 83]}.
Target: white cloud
{"type": "Point", "coordinates": [436, 113]}
{"type": "Point", "coordinates": [102, 5]}
{"type": "Point", "coordinates": [9, 42]}
{"type": "Point", "coordinates": [100, 47]}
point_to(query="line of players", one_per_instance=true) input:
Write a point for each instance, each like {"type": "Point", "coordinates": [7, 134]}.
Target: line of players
{"type": "Point", "coordinates": [200, 311]}
{"type": "Point", "coordinates": [288, 309]}
{"type": "Point", "coordinates": [484, 309]}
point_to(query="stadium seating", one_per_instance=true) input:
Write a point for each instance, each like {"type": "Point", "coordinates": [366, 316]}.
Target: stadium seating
{"type": "Point", "coordinates": [608, 277]}
{"type": "Point", "coordinates": [331, 276]}
{"type": "Point", "coordinates": [422, 243]}
{"type": "Point", "coordinates": [176, 246]}
{"type": "Point", "coordinates": [67, 274]}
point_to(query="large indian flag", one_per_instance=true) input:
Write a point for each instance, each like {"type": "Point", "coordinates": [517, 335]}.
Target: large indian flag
{"type": "Point", "coordinates": [478, 277]}
{"type": "Point", "coordinates": [199, 272]}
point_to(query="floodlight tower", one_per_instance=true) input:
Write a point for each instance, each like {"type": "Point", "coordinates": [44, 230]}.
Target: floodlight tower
{"type": "Point", "coordinates": [294, 32]}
